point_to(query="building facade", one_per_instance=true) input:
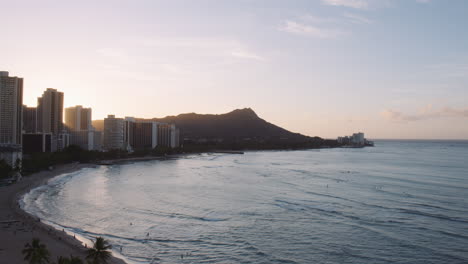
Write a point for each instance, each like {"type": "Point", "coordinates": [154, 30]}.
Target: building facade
{"type": "Point", "coordinates": [358, 138]}
{"type": "Point", "coordinates": [38, 142]}
{"type": "Point", "coordinates": [50, 112]}
{"type": "Point", "coordinates": [78, 123]}
{"type": "Point", "coordinates": [140, 135]}
{"type": "Point", "coordinates": [11, 109]}
{"type": "Point", "coordinates": [113, 133]}
{"type": "Point", "coordinates": [29, 119]}
{"type": "Point", "coordinates": [78, 118]}
{"type": "Point", "coordinates": [168, 135]}
{"type": "Point", "coordinates": [11, 118]}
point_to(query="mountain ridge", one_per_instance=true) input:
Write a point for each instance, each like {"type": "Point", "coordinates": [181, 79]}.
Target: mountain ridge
{"type": "Point", "coordinates": [234, 126]}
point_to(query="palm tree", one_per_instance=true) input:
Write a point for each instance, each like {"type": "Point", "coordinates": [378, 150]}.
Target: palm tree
{"type": "Point", "coordinates": [100, 252]}
{"type": "Point", "coordinates": [71, 260]}
{"type": "Point", "coordinates": [36, 253]}
{"type": "Point", "coordinates": [75, 260]}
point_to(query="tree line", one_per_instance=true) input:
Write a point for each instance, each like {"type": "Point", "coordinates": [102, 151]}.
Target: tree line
{"type": "Point", "coordinates": [37, 253]}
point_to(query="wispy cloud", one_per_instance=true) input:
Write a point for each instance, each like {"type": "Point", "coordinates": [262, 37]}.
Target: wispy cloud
{"type": "Point", "coordinates": [217, 48]}
{"type": "Point", "coordinates": [427, 113]}
{"type": "Point", "coordinates": [300, 28]}
{"type": "Point", "coordinates": [358, 4]}
{"type": "Point", "coordinates": [243, 54]}
{"type": "Point", "coordinates": [358, 19]}
{"type": "Point", "coordinates": [366, 4]}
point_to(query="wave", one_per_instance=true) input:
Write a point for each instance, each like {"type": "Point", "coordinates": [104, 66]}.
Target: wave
{"type": "Point", "coordinates": [432, 215]}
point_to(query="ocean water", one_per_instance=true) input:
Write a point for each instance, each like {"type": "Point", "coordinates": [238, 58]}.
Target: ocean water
{"type": "Point", "coordinates": [399, 202]}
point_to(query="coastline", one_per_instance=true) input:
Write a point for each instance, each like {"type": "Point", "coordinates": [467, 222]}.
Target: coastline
{"type": "Point", "coordinates": [17, 227]}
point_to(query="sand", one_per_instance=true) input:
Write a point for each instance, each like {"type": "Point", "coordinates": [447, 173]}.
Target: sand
{"type": "Point", "coordinates": [18, 228]}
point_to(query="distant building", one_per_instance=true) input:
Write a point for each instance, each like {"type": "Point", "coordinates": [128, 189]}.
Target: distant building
{"type": "Point", "coordinates": [358, 138]}
{"type": "Point", "coordinates": [140, 135]}
{"type": "Point", "coordinates": [11, 118]}
{"type": "Point", "coordinates": [78, 122]}
{"type": "Point", "coordinates": [175, 137]}
{"type": "Point", "coordinates": [50, 112]}
{"type": "Point", "coordinates": [168, 135]}
{"type": "Point", "coordinates": [78, 118]}
{"type": "Point", "coordinates": [29, 119]}
{"type": "Point", "coordinates": [113, 133]}
{"type": "Point", "coordinates": [86, 139]}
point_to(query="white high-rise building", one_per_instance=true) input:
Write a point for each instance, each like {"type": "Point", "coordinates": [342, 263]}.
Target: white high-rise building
{"type": "Point", "coordinates": [11, 118]}
{"type": "Point", "coordinates": [358, 138]}
{"type": "Point", "coordinates": [168, 135]}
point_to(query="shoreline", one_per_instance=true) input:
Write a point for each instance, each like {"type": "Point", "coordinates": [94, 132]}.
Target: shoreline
{"type": "Point", "coordinates": [17, 227]}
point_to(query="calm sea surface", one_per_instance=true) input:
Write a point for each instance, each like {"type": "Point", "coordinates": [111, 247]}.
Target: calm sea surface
{"type": "Point", "coordinates": [399, 202]}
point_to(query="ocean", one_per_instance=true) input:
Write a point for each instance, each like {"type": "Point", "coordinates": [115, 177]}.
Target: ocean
{"type": "Point", "coordinates": [397, 202]}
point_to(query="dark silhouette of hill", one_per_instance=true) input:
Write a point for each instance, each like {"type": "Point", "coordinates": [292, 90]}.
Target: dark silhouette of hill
{"type": "Point", "coordinates": [240, 124]}
{"type": "Point", "coordinates": [240, 127]}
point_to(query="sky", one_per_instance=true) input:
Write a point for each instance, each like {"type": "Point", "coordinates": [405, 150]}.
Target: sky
{"type": "Point", "coordinates": [388, 68]}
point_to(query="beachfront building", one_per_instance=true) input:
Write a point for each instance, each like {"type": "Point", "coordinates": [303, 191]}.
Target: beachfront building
{"type": "Point", "coordinates": [86, 139]}
{"type": "Point", "coordinates": [168, 135]}
{"type": "Point", "coordinates": [38, 142]}
{"type": "Point", "coordinates": [29, 119]}
{"type": "Point", "coordinates": [140, 134]}
{"type": "Point", "coordinates": [358, 138]}
{"type": "Point", "coordinates": [50, 118]}
{"type": "Point", "coordinates": [82, 133]}
{"type": "Point", "coordinates": [355, 140]}
{"type": "Point", "coordinates": [11, 118]}
{"type": "Point", "coordinates": [113, 133]}
{"type": "Point", "coordinates": [78, 118]}
{"type": "Point", "coordinates": [50, 112]}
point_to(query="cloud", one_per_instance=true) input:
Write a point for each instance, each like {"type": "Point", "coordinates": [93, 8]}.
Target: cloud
{"type": "Point", "coordinates": [358, 4]}
{"type": "Point", "coordinates": [192, 48]}
{"type": "Point", "coordinates": [299, 28]}
{"type": "Point", "coordinates": [243, 54]}
{"type": "Point", "coordinates": [427, 113]}
{"type": "Point", "coordinates": [357, 18]}
{"type": "Point", "coordinates": [366, 4]}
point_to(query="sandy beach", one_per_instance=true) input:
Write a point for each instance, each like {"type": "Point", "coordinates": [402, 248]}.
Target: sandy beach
{"type": "Point", "coordinates": [18, 228]}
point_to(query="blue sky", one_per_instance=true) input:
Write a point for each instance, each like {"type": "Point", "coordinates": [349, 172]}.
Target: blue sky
{"type": "Point", "coordinates": [389, 68]}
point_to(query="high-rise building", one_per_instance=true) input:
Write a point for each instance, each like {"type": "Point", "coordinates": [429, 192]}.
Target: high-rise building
{"type": "Point", "coordinates": [168, 135]}
{"type": "Point", "coordinates": [50, 112]}
{"type": "Point", "coordinates": [78, 122]}
{"type": "Point", "coordinates": [140, 135]}
{"type": "Point", "coordinates": [358, 138]}
{"type": "Point", "coordinates": [113, 133]}
{"type": "Point", "coordinates": [29, 119]}
{"type": "Point", "coordinates": [86, 139]}
{"type": "Point", "coordinates": [11, 109]}
{"type": "Point", "coordinates": [11, 118]}
{"type": "Point", "coordinates": [175, 137]}
{"type": "Point", "coordinates": [78, 118]}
